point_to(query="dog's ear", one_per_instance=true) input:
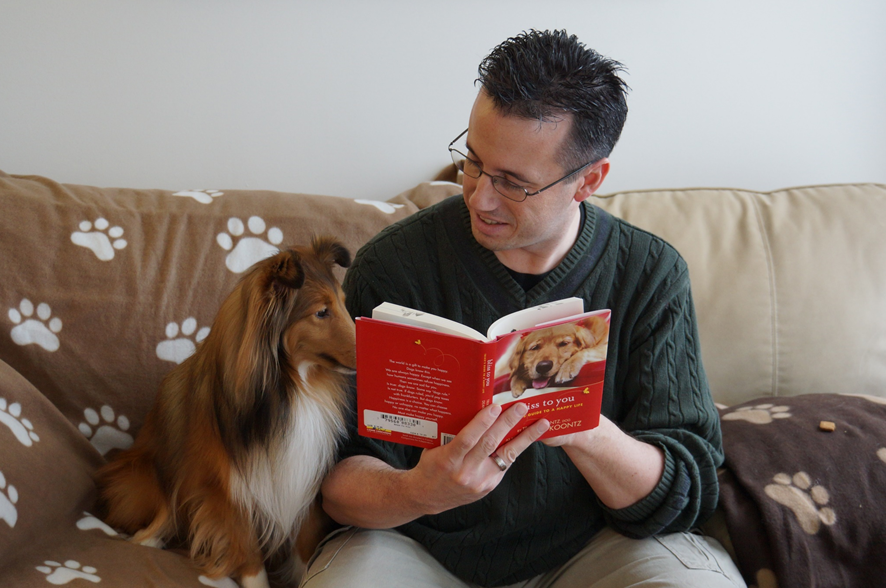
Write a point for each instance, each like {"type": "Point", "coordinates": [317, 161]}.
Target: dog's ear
{"type": "Point", "coordinates": [247, 332]}
{"type": "Point", "coordinates": [287, 270]}
{"type": "Point", "coordinates": [584, 335]}
{"type": "Point", "coordinates": [514, 364]}
{"type": "Point", "coordinates": [330, 250]}
{"type": "Point", "coordinates": [592, 331]}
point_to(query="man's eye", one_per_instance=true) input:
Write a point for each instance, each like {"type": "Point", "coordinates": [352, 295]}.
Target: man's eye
{"type": "Point", "coordinates": [509, 185]}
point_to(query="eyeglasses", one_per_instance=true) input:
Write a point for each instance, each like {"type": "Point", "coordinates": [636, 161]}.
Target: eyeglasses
{"type": "Point", "coordinates": [502, 185]}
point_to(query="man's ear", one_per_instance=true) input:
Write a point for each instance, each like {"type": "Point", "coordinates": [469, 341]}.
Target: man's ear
{"type": "Point", "coordinates": [591, 179]}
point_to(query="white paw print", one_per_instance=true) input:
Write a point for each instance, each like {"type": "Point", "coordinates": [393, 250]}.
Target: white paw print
{"type": "Point", "coordinates": [71, 570]}
{"type": "Point", "coordinates": [201, 196]}
{"type": "Point", "coordinates": [106, 432]}
{"type": "Point", "coordinates": [762, 414]}
{"type": "Point", "coordinates": [881, 453]}
{"type": "Point", "coordinates": [177, 349]}
{"type": "Point", "coordinates": [8, 498]}
{"type": "Point", "coordinates": [40, 330]}
{"type": "Point", "coordinates": [798, 494]}
{"type": "Point", "coordinates": [248, 249]}
{"type": "Point", "coordinates": [89, 522]}
{"type": "Point", "coordinates": [11, 416]}
{"type": "Point", "coordinates": [385, 207]}
{"type": "Point", "coordinates": [102, 241]}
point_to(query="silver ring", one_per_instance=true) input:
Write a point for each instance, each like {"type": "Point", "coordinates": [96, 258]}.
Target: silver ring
{"type": "Point", "coordinates": [502, 465]}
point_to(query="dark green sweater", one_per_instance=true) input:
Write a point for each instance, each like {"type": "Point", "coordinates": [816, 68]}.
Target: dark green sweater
{"type": "Point", "coordinates": [544, 511]}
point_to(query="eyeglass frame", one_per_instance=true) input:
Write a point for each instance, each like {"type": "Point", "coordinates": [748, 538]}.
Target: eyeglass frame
{"type": "Point", "coordinates": [494, 179]}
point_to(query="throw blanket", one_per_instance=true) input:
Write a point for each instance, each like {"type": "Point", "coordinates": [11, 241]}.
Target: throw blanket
{"type": "Point", "coordinates": [805, 506]}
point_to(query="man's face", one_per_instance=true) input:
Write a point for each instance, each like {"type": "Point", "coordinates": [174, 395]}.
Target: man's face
{"type": "Point", "coordinates": [531, 235]}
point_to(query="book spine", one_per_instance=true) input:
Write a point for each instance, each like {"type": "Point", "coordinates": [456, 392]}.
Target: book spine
{"type": "Point", "coordinates": [486, 389]}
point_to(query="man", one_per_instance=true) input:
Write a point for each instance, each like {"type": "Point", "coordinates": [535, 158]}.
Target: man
{"type": "Point", "coordinates": [607, 507]}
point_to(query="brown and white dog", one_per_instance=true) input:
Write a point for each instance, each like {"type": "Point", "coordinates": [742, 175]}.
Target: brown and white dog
{"type": "Point", "coordinates": [231, 456]}
{"type": "Point", "coordinates": [555, 355]}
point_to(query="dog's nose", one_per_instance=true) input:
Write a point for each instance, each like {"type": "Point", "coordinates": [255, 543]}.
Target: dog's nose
{"type": "Point", "coordinates": [544, 367]}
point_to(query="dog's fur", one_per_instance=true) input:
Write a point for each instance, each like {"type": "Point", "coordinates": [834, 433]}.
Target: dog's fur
{"type": "Point", "coordinates": [555, 355]}
{"type": "Point", "coordinates": [231, 456]}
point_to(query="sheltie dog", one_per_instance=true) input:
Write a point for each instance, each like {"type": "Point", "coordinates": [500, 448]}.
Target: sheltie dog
{"type": "Point", "coordinates": [232, 454]}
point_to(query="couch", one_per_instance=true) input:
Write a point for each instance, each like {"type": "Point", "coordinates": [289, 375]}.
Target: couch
{"type": "Point", "coordinates": [105, 289]}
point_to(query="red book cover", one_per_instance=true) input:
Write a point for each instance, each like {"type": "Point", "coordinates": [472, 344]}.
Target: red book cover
{"type": "Point", "coordinates": [421, 383]}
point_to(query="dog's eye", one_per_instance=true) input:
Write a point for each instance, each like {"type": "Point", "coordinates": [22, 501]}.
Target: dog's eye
{"type": "Point", "coordinates": [322, 313]}
{"type": "Point", "coordinates": [564, 343]}
{"type": "Point", "coordinates": [535, 347]}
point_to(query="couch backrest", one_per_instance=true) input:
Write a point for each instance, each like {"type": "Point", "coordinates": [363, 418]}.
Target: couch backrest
{"type": "Point", "coordinates": [104, 290]}
{"type": "Point", "coordinates": [789, 286]}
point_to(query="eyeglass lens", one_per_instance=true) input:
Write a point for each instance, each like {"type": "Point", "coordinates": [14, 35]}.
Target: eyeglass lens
{"type": "Point", "coordinates": [504, 187]}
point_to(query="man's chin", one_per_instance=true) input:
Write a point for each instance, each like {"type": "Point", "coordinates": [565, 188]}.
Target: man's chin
{"type": "Point", "coordinates": [490, 242]}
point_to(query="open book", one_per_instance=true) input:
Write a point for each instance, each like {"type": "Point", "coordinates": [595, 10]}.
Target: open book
{"type": "Point", "coordinates": [421, 378]}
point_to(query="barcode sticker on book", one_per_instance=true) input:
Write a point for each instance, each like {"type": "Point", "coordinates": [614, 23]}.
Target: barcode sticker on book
{"type": "Point", "coordinates": [446, 438]}
{"type": "Point", "coordinates": [401, 424]}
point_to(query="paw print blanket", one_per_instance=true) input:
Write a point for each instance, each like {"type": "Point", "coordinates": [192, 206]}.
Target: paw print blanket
{"type": "Point", "coordinates": [102, 292]}
{"type": "Point", "coordinates": [804, 505]}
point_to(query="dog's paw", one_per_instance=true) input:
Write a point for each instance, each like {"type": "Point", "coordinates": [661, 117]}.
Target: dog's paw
{"type": "Point", "coordinates": [569, 370]}
{"type": "Point", "coordinates": [518, 387]}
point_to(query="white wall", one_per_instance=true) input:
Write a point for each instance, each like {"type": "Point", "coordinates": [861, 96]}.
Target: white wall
{"type": "Point", "coordinates": [360, 99]}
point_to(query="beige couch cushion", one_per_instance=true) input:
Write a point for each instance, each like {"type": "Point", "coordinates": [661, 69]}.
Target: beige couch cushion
{"type": "Point", "coordinates": [789, 286]}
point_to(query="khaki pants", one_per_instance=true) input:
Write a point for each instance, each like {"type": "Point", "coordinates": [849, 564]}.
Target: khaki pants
{"type": "Point", "coordinates": [365, 558]}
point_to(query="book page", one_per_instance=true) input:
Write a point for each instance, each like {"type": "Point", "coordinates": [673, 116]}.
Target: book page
{"type": "Point", "coordinates": [535, 315]}
{"type": "Point", "coordinates": [408, 316]}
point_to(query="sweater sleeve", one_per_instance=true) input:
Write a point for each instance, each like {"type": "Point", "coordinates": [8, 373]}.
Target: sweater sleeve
{"type": "Point", "coordinates": [668, 404]}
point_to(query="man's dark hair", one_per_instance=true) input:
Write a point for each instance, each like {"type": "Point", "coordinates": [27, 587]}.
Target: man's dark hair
{"type": "Point", "coordinates": [542, 75]}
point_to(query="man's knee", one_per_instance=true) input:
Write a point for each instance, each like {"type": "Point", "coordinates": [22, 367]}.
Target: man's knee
{"type": "Point", "coordinates": [702, 561]}
{"type": "Point", "coordinates": [679, 559]}
{"type": "Point", "coordinates": [363, 557]}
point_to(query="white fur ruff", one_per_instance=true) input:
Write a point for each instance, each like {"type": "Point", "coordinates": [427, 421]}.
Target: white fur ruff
{"type": "Point", "coordinates": [279, 483]}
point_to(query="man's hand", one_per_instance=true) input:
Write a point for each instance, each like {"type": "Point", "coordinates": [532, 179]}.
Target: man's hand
{"type": "Point", "coordinates": [366, 492]}
{"type": "Point", "coordinates": [621, 470]}
{"type": "Point", "coordinates": [462, 472]}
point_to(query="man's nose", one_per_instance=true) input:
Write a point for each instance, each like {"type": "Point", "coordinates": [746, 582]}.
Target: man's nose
{"type": "Point", "coordinates": [485, 196]}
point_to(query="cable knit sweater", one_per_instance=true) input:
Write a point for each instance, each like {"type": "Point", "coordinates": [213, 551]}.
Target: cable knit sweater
{"type": "Point", "coordinates": [655, 389]}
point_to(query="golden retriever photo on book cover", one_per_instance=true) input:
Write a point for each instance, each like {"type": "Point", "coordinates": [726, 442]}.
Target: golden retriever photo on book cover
{"type": "Point", "coordinates": [550, 359]}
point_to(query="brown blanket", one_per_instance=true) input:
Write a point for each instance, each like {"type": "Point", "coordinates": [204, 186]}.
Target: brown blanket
{"type": "Point", "coordinates": [103, 291]}
{"type": "Point", "coordinates": [805, 506]}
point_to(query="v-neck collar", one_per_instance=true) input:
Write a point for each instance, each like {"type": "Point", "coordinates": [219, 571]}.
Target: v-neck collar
{"type": "Point", "coordinates": [502, 292]}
